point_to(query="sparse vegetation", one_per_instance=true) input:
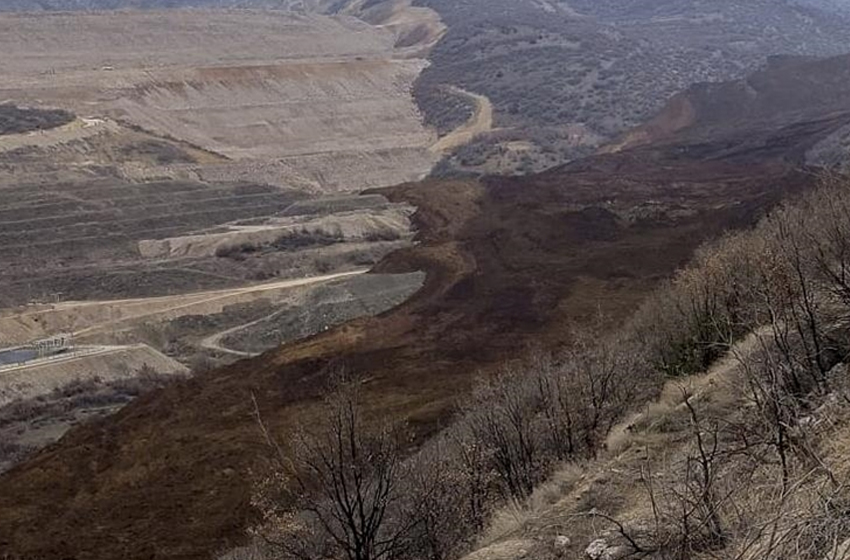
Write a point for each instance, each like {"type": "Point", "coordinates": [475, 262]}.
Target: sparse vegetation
{"type": "Point", "coordinates": [66, 406]}
{"type": "Point", "coordinates": [780, 287]}
{"type": "Point", "coordinates": [306, 238]}
{"type": "Point", "coordinates": [510, 436]}
{"type": "Point", "coordinates": [546, 70]}
{"type": "Point", "coordinates": [15, 120]}
{"type": "Point", "coordinates": [83, 394]}
{"type": "Point", "coordinates": [449, 110]}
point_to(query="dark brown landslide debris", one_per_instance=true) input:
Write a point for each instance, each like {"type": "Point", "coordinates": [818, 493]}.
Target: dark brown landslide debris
{"type": "Point", "coordinates": [512, 264]}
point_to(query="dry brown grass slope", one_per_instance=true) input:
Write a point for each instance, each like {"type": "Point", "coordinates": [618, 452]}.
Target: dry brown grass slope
{"type": "Point", "coordinates": [632, 483]}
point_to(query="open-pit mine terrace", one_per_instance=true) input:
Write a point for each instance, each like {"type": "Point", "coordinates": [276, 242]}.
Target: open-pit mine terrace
{"type": "Point", "coordinates": [307, 101]}
{"type": "Point", "coordinates": [194, 132]}
{"type": "Point", "coordinates": [196, 202]}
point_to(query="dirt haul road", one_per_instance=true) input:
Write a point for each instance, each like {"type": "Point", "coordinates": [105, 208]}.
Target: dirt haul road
{"type": "Point", "coordinates": [88, 318]}
{"type": "Point", "coordinates": [480, 122]}
{"type": "Point", "coordinates": [211, 297]}
{"type": "Point", "coordinates": [213, 342]}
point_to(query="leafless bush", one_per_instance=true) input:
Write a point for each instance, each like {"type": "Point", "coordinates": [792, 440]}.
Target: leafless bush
{"type": "Point", "coordinates": [82, 393]}
{"type": "Point", "coordinates": [751, 483]}
{"type": "Point", "coordinates": [446, 497]}
{"type": "Point", "coordinates": [694, 319]}
{"type": "Point", "coordinates": [343, 480]}
{"type": "Point", "coordinates": [502, 416]}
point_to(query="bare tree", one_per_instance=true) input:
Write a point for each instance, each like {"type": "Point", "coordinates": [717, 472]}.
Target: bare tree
{"type": "Point", "coordinates": [472, 460]}
{"type": "Point", "coordinates": [340, 488]}
{"type": "Point", "coordinates": [603, 373]}
{"type": "Point", "coordinates": [348, 477]}
{"type": "Point", "coordinates": [444, 500]}
{"type": "Point", "coordinates": [701, 478]}
{"type": "Point", "coordinates": [560, 410]}
{"type": "Point", "coordinates": [502, 416]}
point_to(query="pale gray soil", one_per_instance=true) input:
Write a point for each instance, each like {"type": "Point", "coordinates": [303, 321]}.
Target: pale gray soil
{"type": "Point", "coordinates": [324, 307]}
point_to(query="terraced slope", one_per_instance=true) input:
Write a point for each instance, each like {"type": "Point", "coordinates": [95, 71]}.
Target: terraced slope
{"type": "Point", "coordinates": [307, 101]}
{"type": "Point", "coordinates": [194, 130]}
{"type": "Point", "coordinates": [152, 167]}
{"type": "Point", "coordinates": [55, 241]}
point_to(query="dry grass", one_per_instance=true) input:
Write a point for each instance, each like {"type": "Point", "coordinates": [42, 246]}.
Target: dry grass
{"type": "Point", "coordinates": [586, 502]}
{"type": "Point", "coordinates": [510, 520]}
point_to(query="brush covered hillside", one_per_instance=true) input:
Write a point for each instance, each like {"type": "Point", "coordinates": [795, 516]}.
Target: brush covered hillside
{"type": "Point", "coordinates": [742, 452]}
{"type": "Point", "coordinates": [514, 265]}
{"type": "Point", "coordinates": [564, 77]}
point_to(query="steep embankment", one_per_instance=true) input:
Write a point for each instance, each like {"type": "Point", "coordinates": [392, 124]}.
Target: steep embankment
{"type": "Point", "coordinates": [84, 364]}
{"type": "Point", "coordinates": [781, 91]}
{"type": "Point", "coordinates": [638, 487]}
{"type": "Point", "coordinates": [86, 318]}
{"type": "Point", "coordinates": [512, 264]}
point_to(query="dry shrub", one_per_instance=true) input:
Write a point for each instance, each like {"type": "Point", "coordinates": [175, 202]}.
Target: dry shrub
{"type": "Point", "coordinates": [752, 480]}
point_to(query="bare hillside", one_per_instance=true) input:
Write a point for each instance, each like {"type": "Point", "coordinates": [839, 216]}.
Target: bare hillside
{"type": "Point", "coordinates": [260, 89]}
{"type": "Point", "coordinates": [151, 168]}
{"type": "Point", "coordinates": [194, 130]}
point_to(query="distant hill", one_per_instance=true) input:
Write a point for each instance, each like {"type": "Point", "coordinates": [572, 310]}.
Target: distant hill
{"type": "Point", "coordinates": [71, 5]}
{"type": "Point", "coordinates": [785, 89]}
{"type": "Point", "coordinates": [837, 6]}
{"type": "Point", "coordinates": [63, 5]}
{"type": "Point", "coordinates": [565, 76]}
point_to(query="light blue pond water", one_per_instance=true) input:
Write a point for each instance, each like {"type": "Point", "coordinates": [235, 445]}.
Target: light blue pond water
{"type": "Point", "coordinates": [16, 356]}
